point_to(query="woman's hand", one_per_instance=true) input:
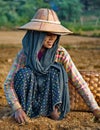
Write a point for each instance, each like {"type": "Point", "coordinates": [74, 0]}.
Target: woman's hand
{"type": "Point", "coordinates": [20, 116]}
{"type": "Point", "coordinates": [96, 113]}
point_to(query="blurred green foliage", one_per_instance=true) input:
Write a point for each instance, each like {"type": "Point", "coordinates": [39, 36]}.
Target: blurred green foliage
{"type": "Point", "coordinates": [69, 10]}
{"type": "Point", "coordinates": [17, 12]}
{"type": "Point", "coordinates": [77, 15]}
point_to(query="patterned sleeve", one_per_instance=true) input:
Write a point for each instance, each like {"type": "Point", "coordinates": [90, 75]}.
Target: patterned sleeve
{"type": "Point", "coordinates": [75, 78]}
{"type": "Point", "coordinates": [8, 85]}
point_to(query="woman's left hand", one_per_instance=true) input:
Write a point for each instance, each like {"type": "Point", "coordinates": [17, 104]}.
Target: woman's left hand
{"type": "Point", "coordinates": [96, 113]}
{"type": "Point", "coordinates": [20, 116]}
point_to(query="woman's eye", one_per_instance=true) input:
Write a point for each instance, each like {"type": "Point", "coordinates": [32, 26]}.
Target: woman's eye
{"type": "Point", "coordinates": [48, 34]}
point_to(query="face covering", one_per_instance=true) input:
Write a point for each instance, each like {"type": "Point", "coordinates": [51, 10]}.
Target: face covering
{"type": "Point", "coordinates": [32, 43]}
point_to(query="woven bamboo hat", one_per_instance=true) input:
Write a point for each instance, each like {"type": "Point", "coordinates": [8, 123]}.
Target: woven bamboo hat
{"type": "Point", "coordinates": [46, 20]}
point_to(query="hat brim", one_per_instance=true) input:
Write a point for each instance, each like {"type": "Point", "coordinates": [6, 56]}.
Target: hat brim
{"type": "Point", "coordinates": [46, 27]}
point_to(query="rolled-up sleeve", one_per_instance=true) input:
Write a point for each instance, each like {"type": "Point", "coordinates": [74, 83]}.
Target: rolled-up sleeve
{"type": "Point", "coordinates": [76, 79]}
{"type": "Point", "coordinates": [8, 84]}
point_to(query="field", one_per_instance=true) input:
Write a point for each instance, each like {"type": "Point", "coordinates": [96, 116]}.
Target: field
{"type": "Point", "coordinates": [85, 52]}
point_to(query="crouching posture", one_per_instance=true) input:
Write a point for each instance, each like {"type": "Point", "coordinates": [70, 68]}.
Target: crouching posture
{"type": "Point", "coordinates": [42, 85]}
{"type": "Point", "coordinates": [37, 84]}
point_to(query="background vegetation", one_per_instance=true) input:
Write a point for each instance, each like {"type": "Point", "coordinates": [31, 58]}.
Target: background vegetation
{"type": "Point", "coordinates": [77, 15]}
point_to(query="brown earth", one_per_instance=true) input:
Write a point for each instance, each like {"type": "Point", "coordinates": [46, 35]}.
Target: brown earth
{"type": "Point", "coordinates": [85, 52]}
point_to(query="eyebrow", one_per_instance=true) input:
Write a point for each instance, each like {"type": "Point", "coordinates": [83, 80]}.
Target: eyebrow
{"type": "Point", "coordinates": [50, 34]}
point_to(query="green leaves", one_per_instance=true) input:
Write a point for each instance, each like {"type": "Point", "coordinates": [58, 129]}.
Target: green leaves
{"type": "Point", "coordinates": [69, 9]}
{"type": "Point", "coordinates": [18, 12]}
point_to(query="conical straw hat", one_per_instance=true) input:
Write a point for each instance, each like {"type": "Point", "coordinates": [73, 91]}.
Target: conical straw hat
{"type": "Point", "coordinates": [46, 20]}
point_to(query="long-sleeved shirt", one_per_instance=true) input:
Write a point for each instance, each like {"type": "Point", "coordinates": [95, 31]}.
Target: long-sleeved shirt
{"type": "Point", "coordinates": [74, 76]}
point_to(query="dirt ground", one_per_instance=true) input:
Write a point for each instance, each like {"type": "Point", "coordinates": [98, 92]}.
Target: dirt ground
{"type": "Point", "coordinates": [85, 52]}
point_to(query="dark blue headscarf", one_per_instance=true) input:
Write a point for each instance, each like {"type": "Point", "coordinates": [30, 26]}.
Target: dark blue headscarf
{"type": "Point", "coordinates": [32, 43]}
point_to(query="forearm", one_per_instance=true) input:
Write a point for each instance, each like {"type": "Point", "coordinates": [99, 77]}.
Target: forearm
{"type": "Point", "coordinates": [76, 79]}
{"type": "Point", "coordinates": [11, 96]}
{"type": "Point", "coordinates": [82, 87]}
{"type": "Point", "coordinates": [88, 97]}
{"type": "Point", "coordinates": [9, 85]}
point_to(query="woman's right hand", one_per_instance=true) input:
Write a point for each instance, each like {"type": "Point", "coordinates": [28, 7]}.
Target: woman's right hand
{"type": "Point", "coordinates": [20, 116]}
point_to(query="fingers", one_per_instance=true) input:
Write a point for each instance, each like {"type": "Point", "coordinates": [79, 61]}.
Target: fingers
{"type": "Point", "coordinates": [20, 116]}
{"type": "Point", "coordinates": [55, 115]}
{"type": "Point", "coordinates": [96, 113]}
{"type": "Point", "coordinates": [24, 118]}
{"type": "Point", "coordinates": [18, 120]}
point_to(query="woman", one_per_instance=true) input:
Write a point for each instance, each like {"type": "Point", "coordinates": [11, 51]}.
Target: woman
{"type": "Point", "coordinates": [37, 84]}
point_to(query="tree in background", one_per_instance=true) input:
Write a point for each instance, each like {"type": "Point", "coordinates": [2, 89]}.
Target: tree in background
{"type": "Point", "coordinates": [8, 12]}
{"type": "Point", "coordinates": [28, 9]}
{"type": "Point", "coordinates": [17, 12]}
{"type": "Point", "coordinates": [67, 9]}
{"type": "Point", "coordinates": [90, 4]}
